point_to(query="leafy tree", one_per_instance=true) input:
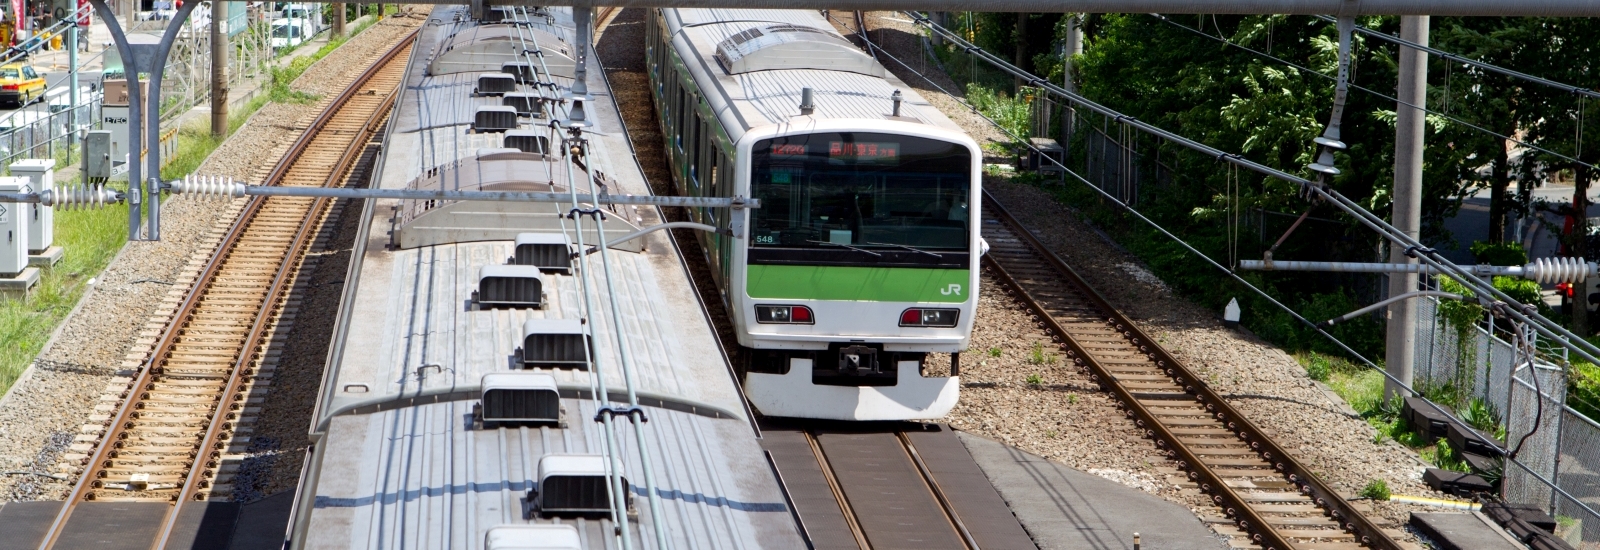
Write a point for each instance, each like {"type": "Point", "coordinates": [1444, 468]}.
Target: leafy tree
{"type": "Point", "coordinates": [1492, 101]}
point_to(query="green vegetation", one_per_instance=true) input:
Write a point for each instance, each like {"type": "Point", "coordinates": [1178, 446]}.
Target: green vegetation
{"type": "Point", "coordinates": [1362, 388]}
{"type": "Point", "coordinates": [1034, 380]}
{"type": "Point", "coordinates": [93, 237]}
{"type": "Point", "coordinates": [994, 352]}
{"type": "Point", "coordinates": [1037, 356]}
{"type": "Point", "coordinates": [1318, 367]}
{"type": "Point", "coordinates": [1376, 489]}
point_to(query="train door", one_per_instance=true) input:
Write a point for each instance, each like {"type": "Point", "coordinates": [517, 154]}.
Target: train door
{"type": "Point", "coordinates": [724, 251]}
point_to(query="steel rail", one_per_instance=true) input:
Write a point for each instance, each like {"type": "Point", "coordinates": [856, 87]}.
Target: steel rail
{"type": "Point", "coordinates": [838, 490]}
{"type": "Point", "coordinates": [295, 254]}
{"type": "Point", "coordinates": [147, 376]}
{"type": "Point", "coordinates": [1245, 516]}
{"type": "Point", "coordinates": [938, 491]}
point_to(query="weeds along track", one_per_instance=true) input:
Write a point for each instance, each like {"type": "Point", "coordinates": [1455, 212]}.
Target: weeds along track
{"type": "Point", "coordinates": [165, 440]}
{"type": "Point", "coordinates": [1270, 500]}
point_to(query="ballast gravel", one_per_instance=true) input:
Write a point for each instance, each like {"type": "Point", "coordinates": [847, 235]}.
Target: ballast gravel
{"type": "Point", "coordinates": [1061, 416]}
{"type": "Point", "coordinates": [43, 411]}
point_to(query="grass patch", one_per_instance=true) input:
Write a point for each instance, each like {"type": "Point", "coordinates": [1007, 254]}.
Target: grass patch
{"type": "Point", "coordinates": [1376, 489]}
{"type": "Point", "coordinates": [93, 237]}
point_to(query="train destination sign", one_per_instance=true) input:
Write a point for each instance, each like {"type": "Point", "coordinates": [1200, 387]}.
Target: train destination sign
{"type": "Point", "coordinates": [864, 150]}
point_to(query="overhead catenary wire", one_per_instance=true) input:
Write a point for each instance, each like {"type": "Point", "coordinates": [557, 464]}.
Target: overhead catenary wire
{"type": "Point", "coordinates": [1566, 338]}
{"type": "Point", "coordinates": [1452, 56]}
{"type": "Point", "coordinates": [1482, 289]}
{"type": "Point", "coordinates": [1380, 95]}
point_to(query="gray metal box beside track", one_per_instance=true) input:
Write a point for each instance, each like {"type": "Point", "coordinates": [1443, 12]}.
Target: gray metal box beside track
{"type": "Point", "coordinates": [97, 155]}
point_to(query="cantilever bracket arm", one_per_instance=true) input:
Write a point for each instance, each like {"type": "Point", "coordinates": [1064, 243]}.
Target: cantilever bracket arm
{"type": "Point", "coordinates": [1407, 296]}
{"type": "Point", "coordinates": [658, 227]}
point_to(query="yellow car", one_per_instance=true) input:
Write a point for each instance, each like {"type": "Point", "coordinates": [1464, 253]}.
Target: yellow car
{"type": "Point", "coordinates": [20, 84]}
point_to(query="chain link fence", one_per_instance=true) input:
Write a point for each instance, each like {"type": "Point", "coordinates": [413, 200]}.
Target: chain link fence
{"type": "Point", "coordinates": [1558, 449]}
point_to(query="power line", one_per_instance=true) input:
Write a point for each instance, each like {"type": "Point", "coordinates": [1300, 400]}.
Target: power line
{"type": "Point", "coordinates": [1469, 61]}
{"type": "Point", "coordinates": [1506, 306]}
{"type": "Point", "coordinates": [1381, 95]}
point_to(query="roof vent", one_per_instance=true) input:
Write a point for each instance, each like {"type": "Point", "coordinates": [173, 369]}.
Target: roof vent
{"type": "Point", "coordinates": [573, 484]}
{"type": "Point", "coordinates": [525, 103]}
{"type": "Point", "coordinates": [496, 83]}
{"type": "Point", "coordinates": [528, 141]}
{"type": "Point", "coordinates": [521, 70]}
{"type": "Point", "coordinates": [786, 46]}
{"type": "Point", "coordinates": [807, 106]}
{"type": "Point", "coordinates": [509, 286]}
{"type": "Point", "coordinates": [519, 399]}
{"type": "Point", "coordinates": [553, 343]}
{"type": "Point", "coordinates": [549, 251]}
{"type": "Point", "coordinates": [494, 118]}
{"type": "Point", "coordinates": [533, 537]}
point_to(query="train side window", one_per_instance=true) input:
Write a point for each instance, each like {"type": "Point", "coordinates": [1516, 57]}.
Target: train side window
{"type": "Point", "coordinates": [699, 130]}
{"type": "Point", "coordinates": [682, 115]}
{"type": "Point", "coordinates": [717, 189]}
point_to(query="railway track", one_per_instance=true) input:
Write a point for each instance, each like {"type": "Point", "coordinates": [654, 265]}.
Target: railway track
{"type": "Point", "coordinates": [1271, 501]}
{"type": "Point", "coordinates": [165, 441]}
{"type": "Point", "coordinates": [900, 485]}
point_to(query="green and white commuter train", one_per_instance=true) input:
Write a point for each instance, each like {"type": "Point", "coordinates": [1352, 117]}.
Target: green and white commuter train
{"type": "Point", "coordinates": [862, 259]}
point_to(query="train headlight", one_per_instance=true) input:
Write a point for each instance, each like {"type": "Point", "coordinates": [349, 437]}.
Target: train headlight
{"type": "Point", "coordinates": [925, 317]}
{"type": "Point", "coordinates": [784, 315]}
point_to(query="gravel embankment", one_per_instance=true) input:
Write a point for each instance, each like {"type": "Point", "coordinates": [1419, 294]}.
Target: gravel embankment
{"type": "Point", "coordinates": [278, 443]}
{"type": "Point", "coordinates": [42, 413]}
{"type": "Point", "coordinates": [1262, 381]}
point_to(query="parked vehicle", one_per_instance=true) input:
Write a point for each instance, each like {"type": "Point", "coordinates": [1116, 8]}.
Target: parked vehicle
{"type": "Point", "coordinates": [288, 33]}
{"type": "Point", "coordinates": [20, 84]}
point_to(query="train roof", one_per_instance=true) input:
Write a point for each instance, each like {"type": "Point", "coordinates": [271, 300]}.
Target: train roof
{"type": "Point", "coordinates": [753, 64]}
{"type": "Point", "coordinates": [400, 461]}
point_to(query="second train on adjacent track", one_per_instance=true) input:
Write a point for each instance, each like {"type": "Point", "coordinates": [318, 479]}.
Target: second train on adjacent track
{"type": "Point", "coordinates": [862, 259]}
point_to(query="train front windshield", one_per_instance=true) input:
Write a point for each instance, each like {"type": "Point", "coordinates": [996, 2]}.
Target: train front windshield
{"type": "Point", "coordinates": [857, 190]}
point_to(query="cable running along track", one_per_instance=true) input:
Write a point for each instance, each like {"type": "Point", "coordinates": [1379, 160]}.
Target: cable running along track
{"type": "Point", "coordinates": [166, 439]}
{"type": "Point", "coordinates": [1269, 497]}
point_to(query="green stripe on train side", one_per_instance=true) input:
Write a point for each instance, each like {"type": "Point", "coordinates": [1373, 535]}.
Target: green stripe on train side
{"type": "Point", "coordinates": [880, 284]}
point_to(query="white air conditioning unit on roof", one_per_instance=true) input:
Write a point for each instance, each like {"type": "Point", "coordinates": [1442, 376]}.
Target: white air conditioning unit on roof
{"type": "Point", "coordinates": [532, 537]}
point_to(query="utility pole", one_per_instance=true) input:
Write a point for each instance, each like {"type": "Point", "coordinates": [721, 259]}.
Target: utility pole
{"type": "Point", "coordinates": [219, 68]}
{"type": "Point", "coordinates": [1019, 39]}
{"type": "Point", "coordinates": [72, 81]}
{"type": "Point", "coordinates": [338, 19]}
{"type": "Point", "coordinates": [1073, 47]}
{"type": "Point", "coordinates": [1401, 341]}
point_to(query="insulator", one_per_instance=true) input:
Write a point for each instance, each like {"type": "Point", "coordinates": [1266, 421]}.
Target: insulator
{"type": "Point", "coordinates": [217, 187]}
{"type": "Point", "coordinates": [71, 197]}
{"type": "Point", "coordinates": [1558, 270]}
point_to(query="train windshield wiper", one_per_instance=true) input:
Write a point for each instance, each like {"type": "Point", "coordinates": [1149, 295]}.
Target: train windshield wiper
{"type": "Point", "coordinates": [911, 248]}
{"type": "Point", "coordinates": [855, 248]}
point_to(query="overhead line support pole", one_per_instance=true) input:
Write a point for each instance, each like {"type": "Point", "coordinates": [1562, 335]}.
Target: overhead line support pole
{"type": "Point", "coordinates": [1401, 340]}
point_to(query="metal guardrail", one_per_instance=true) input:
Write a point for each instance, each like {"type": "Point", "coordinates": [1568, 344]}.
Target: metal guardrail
{"type": "Point", "coordinates": [47, 133]}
